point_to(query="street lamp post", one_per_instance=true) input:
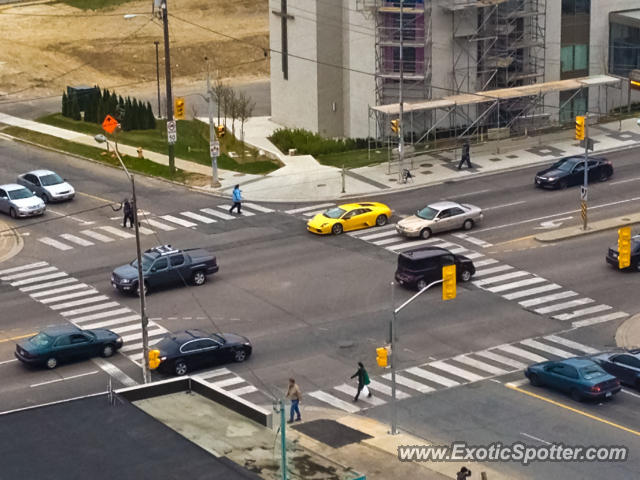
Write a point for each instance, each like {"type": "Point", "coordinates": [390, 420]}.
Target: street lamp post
{"type": "Point", "coordinates": [394, 351]}
{"type": "Point", "coordinates": [156, 43]}
{"type": "Point", "coordinates": [143, 315]}
{"type": "Point", "coordinates": [167, 66]}
{"type": "Point", "coordinates": [214, 146]}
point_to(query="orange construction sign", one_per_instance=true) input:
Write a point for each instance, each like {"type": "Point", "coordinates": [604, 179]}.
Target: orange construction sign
{"type": "Point", "coordinates": [109, 124]}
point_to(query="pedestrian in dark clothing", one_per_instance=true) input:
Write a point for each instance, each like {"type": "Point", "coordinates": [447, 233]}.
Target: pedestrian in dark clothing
{"type": "Point", "coordinates": [463, 474]}
{"type": "Point", "coordinates": [236, 196]}
{"type": "Point", "coordinates": [295, 395]}
{"type": "Point", "coordinates": [363, 381]}
{"type": "Point", "coordinates": [128, 213]}
{"type": "Point", "coordinates": [466, 157]}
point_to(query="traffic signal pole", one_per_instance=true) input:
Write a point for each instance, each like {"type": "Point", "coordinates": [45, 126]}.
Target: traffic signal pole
{"type": "Point", "coordinates": [167, 66]}
{"type": "Point", "coordinates": [584, 197]}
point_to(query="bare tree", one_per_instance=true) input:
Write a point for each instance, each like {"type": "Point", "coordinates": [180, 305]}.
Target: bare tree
{"type": "Point", "coordinates": [218, 89]}
{"type": "Point", "coordinates": [226, 103]}
{"type": "Point", "coordinates": [245, 109]}
{"type": "Point", "coordinates": [233, 109]}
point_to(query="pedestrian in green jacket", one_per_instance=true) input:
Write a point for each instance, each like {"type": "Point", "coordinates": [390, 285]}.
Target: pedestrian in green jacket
{"type": "Point", "coordinates": [363, 381]}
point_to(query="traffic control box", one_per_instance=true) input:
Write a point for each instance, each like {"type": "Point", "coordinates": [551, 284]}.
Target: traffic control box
{"type": "Point", "coordinates": [624, 247]}
{"type": "Point", "coordinates": [154, 359]}
{"type": "Point", "coordinates": [382, 357]}
{"type": "Point", "coordinates": [448, 282]}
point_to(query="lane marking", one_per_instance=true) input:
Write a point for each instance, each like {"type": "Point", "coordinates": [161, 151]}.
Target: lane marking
{"type": "Point", "coordinates": [179, 221]}
{"type": "Point", "coordinates": [23, 267]}
{"type": "Point", "coordinates": [198, 217]}
{"type": "Point", "coordinates": [77, 240]}
{"type": "Point", "coordinates": [595, 320]}
{"type": "Point", "coordinates": [259, 208]}
{"type": "Point", "coordinates": [334, 401]}
{"type": "Point", "coordinates": [564, 305]}
{"type": "Point", "coordinates": [68, 296]}
{"type": "Point", "coordinates": [531, 291]}
{"type": "Point", "coordinates": [97, 316]}
{"type": "Point", "coordinates": [458, 372]}
{"type": "Point", "coordinates": [70, 216]}
{"type": "Point", "coordinates": [520, 283]}
{"type": "Point", "coordinates": [547, 298]}
{"type": "Point", "coordinates": [386, 390]}
{"type": "Point", "coordinates": [500, 278]}
{"type": "Point", "coordinates": [519, 352]}
{"type": "Point", "coordinates": [215, 213]}
{"type": "Point", "coordinates": [378, 235]}
{"type": "Point", "coordinates": [433, 377]}
{"type": "Point", "coordinates": [55, 283]}
{"type": "Point", "coordinates": [54, 243]}
{"type": "Point", "coordinates": [535, 438]}
{"type": "Point", "coordinates": [487, 271]}
{"type": "Point", "coordinates": [30, 273]}
{"type": "Point", "coordinates": [412, 244]}
{"type": "Point", "coordinates": [97, 236]}
{"type": "Point", "coordinates": [625, 181]}
{"type": "Point", "coordinates": [60, 306]}
{"type": "Point", "coordinates": [160, 225]}
{"type": "Point", "coordinates": [575, 410]}
{"type": "Point", "coordinates": [472, 362]}
{"type": "Point", "coordinates": [504, 205]}
{"type": "Point", "coordinates": [571, 344]}
{"type": "Point", "coordinates": [78, 311]}
{"type": "Point", "coordinates": [501, 359]}
{"type": "Point", "coordinates": [546, 348]}
{"type": "Point", "coordinates": [469, 194]}
{"type": "Point", "coordinates": [243, 390]}
{"type": "Point", "coordinates": [420, 387]}
{"type": "Point", "coordinates": [117, 232]}
{"type": "Point", "coordinates": [113, 371]}
{"type": "Point", "coordinates": [64, 378]}
{"type": "Point", "coordinates": [306, 209]}
{"type": "Point", "coordinates": [475, 241]}
{"type": "Point", "coordinates": [624, 390]}
{"type": "Point", "coordinates": [75, 286]}
{"type": "Point", "coordinates": [50, 276]}
{"type": "Point", "coordinates": [8, 361]}
{"type": "Point", "coordinates": [582, 312]}
{"type": "Point", "coordinates": [518, 383]}
{"type": "Point", "coordinates": [4, 340]}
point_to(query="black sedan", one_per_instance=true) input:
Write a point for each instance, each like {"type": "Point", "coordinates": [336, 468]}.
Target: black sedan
{"type": "Point", "coordinates": [624, 365]}
{"type": "Point", "coordinates": [570, 171]}
{"type": "Point", "coordinates": [612, 254]}
{"type": "Point", "coordinates": [189, 350]}
{"type": "Point", "coordinates": [65, 343]}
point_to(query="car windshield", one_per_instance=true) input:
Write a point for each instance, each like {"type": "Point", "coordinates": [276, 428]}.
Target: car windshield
{"type": "Point", "coordinates": [565, 165]}
{"type": "Point", "coordinates": [427, 213]}
{"type": "Point", "coordinates": [21, 193]}
{"type": "Point", "coordinates": [590, 373]}
{"type": "Point", "coordinates": [147, 260]}
{"type": "Point", "coordinates": [51, 179]}
{"type": "Point", "coordinates": [218, 338]}
{"type": "Point", "coordinates": [336, 212]}
{"type": "Point", "coordinates": [41, 340]}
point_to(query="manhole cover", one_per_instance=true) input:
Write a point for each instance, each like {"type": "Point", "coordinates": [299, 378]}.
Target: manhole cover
{"type": "Point", "coordinates": [330, 432]}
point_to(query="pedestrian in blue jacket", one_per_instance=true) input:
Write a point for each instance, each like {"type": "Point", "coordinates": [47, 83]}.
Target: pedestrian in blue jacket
{"type": "Point", "coordinates": [236, 196]}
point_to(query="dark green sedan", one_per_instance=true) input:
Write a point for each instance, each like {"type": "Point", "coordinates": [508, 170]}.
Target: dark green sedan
{"type": "Point", "coordinates": [66, 343]}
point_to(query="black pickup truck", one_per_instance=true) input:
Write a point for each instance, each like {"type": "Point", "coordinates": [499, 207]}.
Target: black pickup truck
{"type": "Point", "coordinates": [163, 266]}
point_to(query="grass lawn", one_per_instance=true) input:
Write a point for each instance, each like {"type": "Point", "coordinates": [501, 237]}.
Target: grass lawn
{"type": "Point", "coordinates": [94, 4]}
{"type": "Point", "coordinates": [192, 144]}
{"type": "Point", "coordinates": [134, 164]}
{"type": "Point", "coordinates": [354, 158]}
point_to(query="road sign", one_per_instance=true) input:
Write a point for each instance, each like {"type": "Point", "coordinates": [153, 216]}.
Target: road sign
{"type": "Point", "coordinates": [214, 148]}
{"type": "Point", "coordinates": [590, 144]}
{"type": "Point", "coordinates": [109, 124]}
{"type": "Point", "coordinates": [584, 194]}
{"type": "Point", "coordinates": [172, 132]}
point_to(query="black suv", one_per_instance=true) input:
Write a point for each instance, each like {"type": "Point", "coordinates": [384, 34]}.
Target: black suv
{"type": "Point", "coordinates": [419, 267]}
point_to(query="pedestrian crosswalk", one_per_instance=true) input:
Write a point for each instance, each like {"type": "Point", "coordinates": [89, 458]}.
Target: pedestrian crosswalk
{"type": "Point", "coordinates": [439, 375]}
{"type": "Point", "coordinates": [530, 291]}
{"type": "Point", "coordinates": [150, 225]}
{"type": "Point", "coordinates": [234, 384]}
{"type": "Point", "coordinates": [81, 304]}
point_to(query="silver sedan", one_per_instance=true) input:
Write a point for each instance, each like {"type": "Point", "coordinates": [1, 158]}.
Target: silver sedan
{"type": "Point", "coordinates": [439, 217]}
{"type": "Point", "coordinates": [48, 185]}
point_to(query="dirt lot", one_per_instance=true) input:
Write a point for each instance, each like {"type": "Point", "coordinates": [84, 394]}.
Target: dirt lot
{"type": "Point", "coordinates": [47, 46]}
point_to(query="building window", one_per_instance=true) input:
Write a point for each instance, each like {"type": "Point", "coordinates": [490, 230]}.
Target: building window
{"type": "Point", "coordinates": [569, 109]}
{"type": "Point", "coordinates": [624, 49]}
{"type": "Point", "coordinates": [574, 58]}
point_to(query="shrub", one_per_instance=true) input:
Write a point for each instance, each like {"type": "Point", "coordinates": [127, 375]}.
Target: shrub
{"type": "Point", "coordinates": [309, 143]}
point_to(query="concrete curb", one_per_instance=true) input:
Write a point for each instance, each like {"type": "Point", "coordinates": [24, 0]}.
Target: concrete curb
{"type": "Point", "coordinates": [11, 242]}
{"type": "Point", "coordinates": [628, 334]}
{"type": "Point", "coordinates": [600, 226]}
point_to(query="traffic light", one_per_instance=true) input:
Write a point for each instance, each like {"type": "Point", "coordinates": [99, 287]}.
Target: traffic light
{"type": "Point", "coordinates": [449, 282]}
{"type": "Point", "coordinates": [624, 247]}
{"type": "Point", "coordinates": [580, 127]}
{"type": "Point", "coordinates": [221, 130]}
{"type": "Point", "coordinates": [179, 109]}
{"type": "Point", "coordinates": [395, 125]}
{"type": "Point", "coordinates": [154, 359]}
{"type": "Point", "coordinates": [382, 357]}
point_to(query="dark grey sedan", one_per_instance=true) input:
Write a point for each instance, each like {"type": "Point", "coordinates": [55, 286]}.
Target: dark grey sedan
{"type": "Point", "coordinates": [624, 365]}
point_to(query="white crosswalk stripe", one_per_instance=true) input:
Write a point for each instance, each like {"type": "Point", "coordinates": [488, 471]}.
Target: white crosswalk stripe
{"type": "Point", "coordinates": [474, 255]}
{"type": "Point", "coordinates": [501, 278]}
{"type": "Point", "coordinates": [55, 243]}
{"type": "Point", "coordinates": [68, 288]}
{"type": "Point", "coordinates": [159, 225]}
{"type": "Point", "coordinates": [334, 401]}
{"type": "Point", "coordinates": [531, 291]}
{"type": "Point", "coordinates": [96, 236]}
{"type": "Point", "coordinates": [496, 357]}
{"type": "Point", "coordinates": [385, 241]}
{"type": "Point", "coordinates": [458, 372]}
{"type": "Point", "coordinates": [386, 390]}
{"type": "Point", "coordinates": [245, 212]}
{"type": "Point", "coordinates": [387, 229]}
{"type": "Point", "coordinates": [256, 207]}
{"type": "Point", "coordinates": [235, 380]}
{"type": "Point", "coordinates": [472, 362]}
{"type": "Point", "coordinates": [93, 308]}
{"type": "Point", "coordinates": [420, 387]}
{"type": "Point", "coordinates": [178, 221]}
{"type": "Point", "coordinates": [68, 296]}
{"type": "Point", "coordinates": [488, 271]}
{"type": "Point", "coordinates": [77, 240]}
{"type": "Point", "coordinates": [312, 207]}
{"type": "Point", "coordinates": [312, 214]}
{"type": "Point", "coordinates": [432, 377]}
{"type": "Point", "coordinates": [117, 232]}
{"type": "Point", "coordinates": [519, 352]}
{"type": "Point", "coordinates": [380, 235]}
{"type": "Point", "coordinates": [126, 328]}
{"type": "Point", "coordinates": [215, 213]}
{"type": "Point", "coordinates": [75, 303]}
{"type": "Point", "coordinates": [145, 231]}
{"type": "Point", "coordinates": [415, 243]}
{"type": "Point", "coordinates": [116, 321]}
{"type": "Point", "coordinates": [213, 373]}
{"type": "Point", "coordinates": [600, 319]}
{"type": "Point", "coordinates": [571, 344]}
{"type": "Point", "coordinates": [30, 273]}
{"type": "Point", "coordinates": [564, 306]}
{"type": "Point", "coordinates": [582, 312]}
{"type": "Point", "coordinates": [98, 316]}
{"type": "Point", "coordinates": [55, 283]}
{"type": "Point", "coordinates": [22, 268]}
{"type": "Point", "coordinates": [29, 281]}
{"type": "Point", "coordinates": [485, 262]}
{"type": "Point", "coordinates": [514, 285]}
{"type": "Point", "coordinates": [546, 348]}
{"type": "Point", "coordinates": [547, 298]}
{"type": "Point", "coordinates": [198, 217]}
{"type": "Point", "coordinates": [351, 391]}
{"type": "Point", "coordinates": [243, 390]}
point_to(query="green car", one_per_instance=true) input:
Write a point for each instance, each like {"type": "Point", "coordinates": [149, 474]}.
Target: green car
{"type": "Point", "coordinates": [65, 343]}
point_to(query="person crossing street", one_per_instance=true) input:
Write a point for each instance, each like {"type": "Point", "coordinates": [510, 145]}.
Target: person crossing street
{"type": "Point", "coordinates": [127, 209]}
{"type": "Point", "coordinates": [363, 381]}
{"type": "Point", "coordinates": [295, 395]}
{"type": "Point", "coordinates": [236, 197]}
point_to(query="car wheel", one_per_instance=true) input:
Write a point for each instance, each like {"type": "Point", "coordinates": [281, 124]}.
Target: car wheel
{"type": "Point", "coordinates": [468, 224]}
{"type": "Point", "coordinates": [425, 233]}
{"type": "Point", "coordinates": [576, 395]}
{"type": "Point", "coordinates": [563, 185]}
{"type": "Point", "coordinates": [107, 351]}
{"type": "Point", "coordinates": [12, 213]}
{"type": "Point", "coordinates": [180, 367]}
{"type": "Point", "coordinates": [146, 289]}
{"type": "Point", "coordinates": [336, 229]}
{"type": "Point", "coordinates": [381, 220]}
{"type": "Point", "coordinates": [535, 380]}
{"type": "Point", "coordinates": [465, 275]}
{"type": "Point", "coordinates": [199, 278]}
{"type": "Point", "coordinates": [421, 284]}
{"type": "Point", "coordinates": [51, 363]}
{"type": "Point", "coordinates": [240, 355]}
{"type": "Point", "coordinates": [604, 176]}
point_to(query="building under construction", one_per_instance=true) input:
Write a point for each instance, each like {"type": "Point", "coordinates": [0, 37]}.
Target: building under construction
{"type": "Point", "coordinates": [461, 66]}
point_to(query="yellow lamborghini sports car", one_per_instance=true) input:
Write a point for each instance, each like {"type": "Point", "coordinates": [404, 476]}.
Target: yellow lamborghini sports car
{"type": "Point", "coordinates": [351, 216]}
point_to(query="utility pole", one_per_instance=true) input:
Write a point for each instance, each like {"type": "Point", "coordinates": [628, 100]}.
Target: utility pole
{"type": "Point", "coordinates": [214, 145]}
{"type": "Point", "coordinates": [584, 193]}
{"type": "Point", "coordinates": [400, 101]}
{"type": "Point", "coordinates": [167, 66]}
{"type": "Point", "coordinates": [156, 42]}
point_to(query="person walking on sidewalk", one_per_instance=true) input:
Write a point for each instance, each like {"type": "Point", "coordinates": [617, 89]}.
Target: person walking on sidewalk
{"type": "Point", "coordinates": [127, 209]}
{"type": "Point", "coordinates": [463, 474]}
{"type": "Point", "coordinates": [236, 196]}
{"type": "Point", "coordinates": [295, 395]}
{"type": "Point", "coordinates": [363, 381]}
{"type": "Point", "coordinates": [466, 157]}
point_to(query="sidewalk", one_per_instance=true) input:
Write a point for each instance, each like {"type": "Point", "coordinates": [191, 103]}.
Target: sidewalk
{"type": "Point", "coordinates": [11, 242]}
{"type": "Point", "coordinates": [304, 179]}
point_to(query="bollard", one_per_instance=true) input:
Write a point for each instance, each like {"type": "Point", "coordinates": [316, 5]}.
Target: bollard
{"type": "Point", "coordinates": [139, 150]}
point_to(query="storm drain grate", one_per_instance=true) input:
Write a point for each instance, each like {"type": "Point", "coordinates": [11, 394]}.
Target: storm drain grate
{"type": "Point", "coordinates": [330, 432]}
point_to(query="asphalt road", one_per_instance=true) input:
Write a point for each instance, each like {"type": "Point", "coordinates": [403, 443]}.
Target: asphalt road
{"type": "Point", "coordinates": [314, 306]}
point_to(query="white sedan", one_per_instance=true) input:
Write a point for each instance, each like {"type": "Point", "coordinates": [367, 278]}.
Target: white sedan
{"type": "Point", "coordinates": [48, 185]}
{"type": "Point", "coordinates": [439, 217]}
{"type": "Point", "coordinates": [18, 201]}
